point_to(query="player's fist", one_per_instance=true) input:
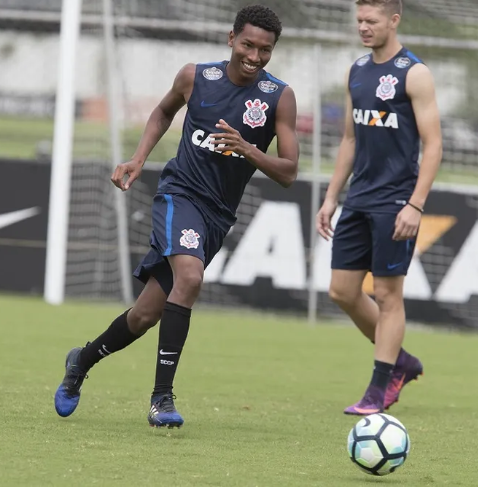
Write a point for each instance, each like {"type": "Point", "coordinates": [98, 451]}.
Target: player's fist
{"type": "Point", "coordinates": [407, 223]}
{"type": "Point", "coordinates": [323, 220]}
{"type": "Point", "coordinates": [129, 170]}
{"type": "Point", "coordinates": [229, 140]}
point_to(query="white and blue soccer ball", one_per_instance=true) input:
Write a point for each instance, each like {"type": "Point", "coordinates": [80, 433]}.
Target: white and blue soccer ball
{"type": "Point", "coordinates": [378, 444]}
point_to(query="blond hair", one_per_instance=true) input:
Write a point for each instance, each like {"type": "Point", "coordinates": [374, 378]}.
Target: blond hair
{"type": "Point", "coordinates": [391, 6]}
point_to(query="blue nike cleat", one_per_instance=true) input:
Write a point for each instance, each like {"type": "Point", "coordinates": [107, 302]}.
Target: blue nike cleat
{"type": "Point", "coordinates": [67, 395]}
{"type": "Point", "coordinates": [163, 412]}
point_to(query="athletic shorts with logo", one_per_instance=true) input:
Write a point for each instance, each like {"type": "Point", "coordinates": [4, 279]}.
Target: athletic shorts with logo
{"type": "Point", "coordinates": [363, 241]}
{"type": "Point", "coordinates": [179, 227]}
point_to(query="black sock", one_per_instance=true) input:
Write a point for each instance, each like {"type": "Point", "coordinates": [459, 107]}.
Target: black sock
{"type": "Point", "coordinates": [402, 356]}
{"type": "Point", "coordinates": [381, 374]}
{"type": "Point", "coordinates": [173, 332]}
{"type": "Point", "coordinates": [115, 338]}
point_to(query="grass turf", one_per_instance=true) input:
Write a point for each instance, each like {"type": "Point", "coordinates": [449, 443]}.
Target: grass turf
{"type": "Point", "coordinates": [262, 398]}
{"type": "Point", "coordinates": [21, 137]}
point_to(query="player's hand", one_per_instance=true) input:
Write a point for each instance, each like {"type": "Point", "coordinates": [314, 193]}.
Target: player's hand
{"type": "Point", "coordinates": [323, 220]}
{"type": "Point", "coordinates": [407, 223]}
{"type": "Point", "coordinates": [229, 139]}
{"type": "Point", "coordinates": [131, 170]}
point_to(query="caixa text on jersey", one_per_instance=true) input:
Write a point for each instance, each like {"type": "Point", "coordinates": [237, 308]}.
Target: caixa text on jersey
{"type": "Point", "coordinates": [198, 138]}
{"type": "Point", "coordinates": [375, 118]}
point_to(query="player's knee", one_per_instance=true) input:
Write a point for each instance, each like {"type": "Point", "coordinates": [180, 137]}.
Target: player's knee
{"type": "Point", "coordinates": [335, 295]}
{"type": "Point", "coordinates": [388, 299]}
{"type": "Point", "coordinates": [188, 282]}
{"type": "Point", "coordinates": [141, 319]}
{"type": "Point", "coordinates": [343, 297]}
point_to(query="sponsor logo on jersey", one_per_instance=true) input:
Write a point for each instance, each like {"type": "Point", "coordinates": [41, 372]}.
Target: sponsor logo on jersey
{"type": "Point", "coordinates": [267, 86]}
{"type": "Point", "coordinates": [386, 89]}
{"type": "Point", "coordinates": [375, 118]}
{"type": "Point", "coordinates": [212, 74]}
{"type": "Point", "coordinates": [200, 139]}
{"type": "Point", "coordinates": [255, 115]}
{"type": "Point", "coordinates": [190, 239]}
{"type": "Point", "coordinates": [363, 60]}
{"type": "Point", "coordinates": [402, 62]}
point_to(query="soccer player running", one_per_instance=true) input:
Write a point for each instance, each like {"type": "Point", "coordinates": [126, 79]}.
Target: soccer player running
{"type": "Point", "coordinates": [391, 105]}
{"type": "Point", "coordinates": [234, 110]}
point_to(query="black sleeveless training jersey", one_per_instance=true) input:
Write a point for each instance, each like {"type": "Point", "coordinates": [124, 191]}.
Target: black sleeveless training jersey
{"type": "Point", "coordinates": [387, 146]}
{"type": "Point", "coordinates": [216, 181]}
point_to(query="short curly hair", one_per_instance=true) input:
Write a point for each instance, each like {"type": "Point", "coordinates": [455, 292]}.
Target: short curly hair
{"type": "Point", "coordinates": [258, 16]}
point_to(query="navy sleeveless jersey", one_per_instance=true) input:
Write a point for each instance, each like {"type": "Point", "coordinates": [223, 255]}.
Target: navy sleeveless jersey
{"type": "Point", "coordinates": [387, 146]}
{"type": "Point", "coordinates": [216, 181]}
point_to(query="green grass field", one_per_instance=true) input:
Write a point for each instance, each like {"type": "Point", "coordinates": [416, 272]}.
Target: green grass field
{"type": "Point", "coordinates": [262, 398]}
{"type": "Point", "coordinates": [21, 138]}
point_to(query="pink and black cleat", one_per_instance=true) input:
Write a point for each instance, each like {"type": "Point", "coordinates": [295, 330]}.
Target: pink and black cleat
{"type": "Point", "coordinates": [408, 368]}
{"type": "Point", "coordinates": [371, 403]}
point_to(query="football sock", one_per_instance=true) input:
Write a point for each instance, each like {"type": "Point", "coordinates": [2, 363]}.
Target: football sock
{"type": "Point", "coordinates": [382, 373]}
{"type": "Point", "coordinates": [402, 355]}
{"type": "Point", "coordinates": [115, 338]}
{"type": "Point", "coordinates": [173, 332]}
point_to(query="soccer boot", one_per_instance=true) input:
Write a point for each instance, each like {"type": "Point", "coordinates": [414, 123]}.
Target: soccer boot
{"type": "Point", "coordinates": [67, 395]}
{"type": "Point", "coordinates": [408, 368]}
{"type": "Point", "coordinates": [371, 403]}
{"type": "Point", "coordinates": [163, 412]}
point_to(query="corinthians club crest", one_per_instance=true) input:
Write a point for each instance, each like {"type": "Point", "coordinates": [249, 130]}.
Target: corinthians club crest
{"type": "Point", "coordinates": [386, 88]}
{"type": "Point", "coordinates": [255, 115]}
{"type": "Point", "coordinates": [189, 239]}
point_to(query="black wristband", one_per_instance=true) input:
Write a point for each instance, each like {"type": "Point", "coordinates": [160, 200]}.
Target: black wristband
{"type": "Point", "coordinates": [415, 207]}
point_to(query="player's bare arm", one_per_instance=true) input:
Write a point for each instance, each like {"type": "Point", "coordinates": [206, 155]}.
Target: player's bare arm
{"type": "Point", "coordinates": [342, 172]}
{"type": "Point", "coordinates": [157, 125]}
{"type": "Point", "coordinates": [421, 90]}
{"type": "Point", "coordinates": [283, 168]}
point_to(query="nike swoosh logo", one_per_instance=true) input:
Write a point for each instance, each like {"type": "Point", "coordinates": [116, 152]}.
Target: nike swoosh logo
{"type": "Point", "coordinates": [390, 267]}
{"type": "Point", "coordinates": [161, 352]}
{"type": "Point", "coordinates": [13, 217]}
{"type": "Point", "coordinates": [206, 105]}
{"type": "Point", "coordinates": [400, 383]}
